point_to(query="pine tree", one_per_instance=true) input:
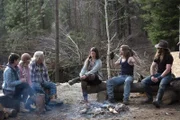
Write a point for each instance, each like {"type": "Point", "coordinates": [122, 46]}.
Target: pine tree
{"type": "Point", "coordinates": [161, 18]}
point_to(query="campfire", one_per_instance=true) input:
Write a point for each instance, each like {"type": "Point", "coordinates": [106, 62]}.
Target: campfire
{"type": "Point", "coordinates": [96, 109]}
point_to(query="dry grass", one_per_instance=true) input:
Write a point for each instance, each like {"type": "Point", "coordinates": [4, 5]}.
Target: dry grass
{"type": "Point", "coordinates": [176, 64]}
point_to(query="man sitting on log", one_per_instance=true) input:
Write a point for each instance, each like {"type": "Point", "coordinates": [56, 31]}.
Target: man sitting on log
{"type": "Point", "coordinates": [163, 61]}
{"type": "Point", "coordinates": [40, 79]}
{"type": "Point", "coordinates": [126, 61]}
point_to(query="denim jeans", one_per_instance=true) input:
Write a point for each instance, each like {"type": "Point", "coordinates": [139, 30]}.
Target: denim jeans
{"type": "Point", "coordinates": [119, 80]}
{"type": "Point", "coordinates": [39, 88]}
{"type": "Point", "coordinates": [147, 83]}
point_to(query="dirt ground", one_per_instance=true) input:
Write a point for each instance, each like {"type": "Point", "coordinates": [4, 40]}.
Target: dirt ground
{"type": "Point", "coordinates": [71, 95]}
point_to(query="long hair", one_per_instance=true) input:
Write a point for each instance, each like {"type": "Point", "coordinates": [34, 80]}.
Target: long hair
{"type": "Point", "coordinates": [94, 49]}
{"type": "Point", "coordinates": [24, 57]}
{"type": "Point", "coordinates": [128, 52]}
{"type": "Point", "coordinates": [161, 53]}
{"type": "Point", "coordinates": [38, 55]}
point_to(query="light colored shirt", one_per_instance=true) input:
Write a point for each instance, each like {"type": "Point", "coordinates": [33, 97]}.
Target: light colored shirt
{"type": "Point", "coordinates": [96, 68]}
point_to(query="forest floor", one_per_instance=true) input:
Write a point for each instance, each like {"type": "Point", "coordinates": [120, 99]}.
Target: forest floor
{"type": "Point", "coordinates": [70, 110]}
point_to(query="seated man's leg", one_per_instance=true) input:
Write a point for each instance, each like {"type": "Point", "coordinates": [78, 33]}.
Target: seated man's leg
{"type": "Point", "coordinates": [37, 88]}
{"type": "Point", "coordinates": [147, 83]}
{"type": "Point", "coordinates": [52, 87]}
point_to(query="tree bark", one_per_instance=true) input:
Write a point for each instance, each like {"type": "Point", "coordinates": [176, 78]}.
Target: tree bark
{"type": "Point", "coordinates": [108, 40]}
{"type": "Point", "coordinates": [136, 87]}
{"type": "Point", "coordinates": [169, 97]}
{"type": "Point", "coordinates": [57, 42]}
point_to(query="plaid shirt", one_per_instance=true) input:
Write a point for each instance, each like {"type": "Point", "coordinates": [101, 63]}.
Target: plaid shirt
{"type": "Point", "coordinates": [39, 73]}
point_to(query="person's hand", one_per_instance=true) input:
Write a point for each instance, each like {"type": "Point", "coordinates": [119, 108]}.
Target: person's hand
{"type": "Point", "coordinates": [154, 79]}
{"type": "Point", "coordinates": [83, 77]}
{"type": "Point", "coordinates": [23, 80]}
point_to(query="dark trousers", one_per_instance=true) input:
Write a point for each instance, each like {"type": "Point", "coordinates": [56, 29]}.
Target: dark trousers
{"type": "Point", "coordinates": [22, 91]}
{"type": "Point", "coordinates": [91, 80]}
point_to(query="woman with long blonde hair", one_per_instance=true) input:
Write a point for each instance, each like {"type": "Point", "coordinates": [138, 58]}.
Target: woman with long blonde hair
{"type": "Point", "coordinates": [126, 62]}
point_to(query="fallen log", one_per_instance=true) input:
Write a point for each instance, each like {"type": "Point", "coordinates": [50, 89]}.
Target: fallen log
{"type": "Point", "coordinates": [1, 113]}
{"type": "Point", "coordinates": [7, 112]}
{"type": "Point", "coordinates": [176, 84]}
{"type": "Point", "coordinates": [135, 87]}
{"type": "Point", "coordinates": [169, 97]}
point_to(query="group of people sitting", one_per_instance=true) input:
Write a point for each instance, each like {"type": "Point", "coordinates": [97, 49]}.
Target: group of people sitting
{"type": "Point", "coordinates": [25, 77]}
{"type": "Point", "coordinates": [160, 73]}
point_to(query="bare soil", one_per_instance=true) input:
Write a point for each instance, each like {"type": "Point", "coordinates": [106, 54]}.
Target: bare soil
{"type": "Point", "coordinates": [71, 96]}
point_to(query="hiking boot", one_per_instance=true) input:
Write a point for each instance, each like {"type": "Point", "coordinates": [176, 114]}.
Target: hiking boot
{"type": "Point", "coordinates": [126, 102]}
{"type": "Point", "coordinates": [22, 108]}
{"type": "Point", "coordinates": [156, 104]}
{"type": "Point", "coordinates": [147, 101]}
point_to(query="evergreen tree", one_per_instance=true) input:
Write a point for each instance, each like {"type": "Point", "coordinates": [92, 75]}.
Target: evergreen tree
{"type": "Point", "coordinates": [162, 19]}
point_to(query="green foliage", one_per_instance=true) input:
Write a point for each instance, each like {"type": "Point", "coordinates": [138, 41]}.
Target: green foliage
{"type": "Point", "coordinates": [24, 19]}
{"type": "Point", "coordinates": [162, 19]}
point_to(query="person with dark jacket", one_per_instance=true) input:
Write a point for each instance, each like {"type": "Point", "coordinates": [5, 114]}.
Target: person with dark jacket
{"type": "Point", "coordinates": [163, 61]}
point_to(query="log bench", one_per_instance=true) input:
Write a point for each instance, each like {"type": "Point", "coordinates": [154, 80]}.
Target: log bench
{"type": "Point", "coordinates": [8, 107]}
{"type": "Point", "coordinates": [170, 95]}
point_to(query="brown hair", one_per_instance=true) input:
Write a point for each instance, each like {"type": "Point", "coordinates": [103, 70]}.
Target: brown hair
{"type": "Point", "coordinates": [12, 57]}
{"type": "Point", "coordinates": [161, 53]}
{"type": "Point", "coordinates": [94, 49]}
{"type": "Point", "coordinates": [127, 51]}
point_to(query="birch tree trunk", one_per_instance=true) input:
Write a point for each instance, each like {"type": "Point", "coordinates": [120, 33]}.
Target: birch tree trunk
{"type": "Point", "coordinates": [57, 41]}
{"type": "Point", "coordinates": [179, 32]}
{"type": "Point", "coordinates": [108, 40]}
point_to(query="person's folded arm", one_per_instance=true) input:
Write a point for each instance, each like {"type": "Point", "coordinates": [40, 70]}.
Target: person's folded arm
{"type": "Point", "coordinates": [8, 77]}
{"type": "Point", "coordinates": [97, 66]}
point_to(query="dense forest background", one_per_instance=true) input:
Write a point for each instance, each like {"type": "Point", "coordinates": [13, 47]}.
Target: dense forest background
{"type": "Point", "coordinates": [29, 25]}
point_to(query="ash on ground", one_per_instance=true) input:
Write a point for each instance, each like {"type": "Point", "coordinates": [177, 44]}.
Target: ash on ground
{"type": "Point", "coordinates": [101, 110]}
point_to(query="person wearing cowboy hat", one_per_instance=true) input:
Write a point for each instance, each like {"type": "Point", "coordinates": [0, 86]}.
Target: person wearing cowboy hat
{"type": "Point", "coordinates": [163, 61]}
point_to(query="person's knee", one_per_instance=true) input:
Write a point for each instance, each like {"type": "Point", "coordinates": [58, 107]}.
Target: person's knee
{"type": "Point", "coordinates": [110, 82]}
{"type": "Point", "coordinates": [162, 86]}
{"type": "Point", "coordinates": [128, 81]}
